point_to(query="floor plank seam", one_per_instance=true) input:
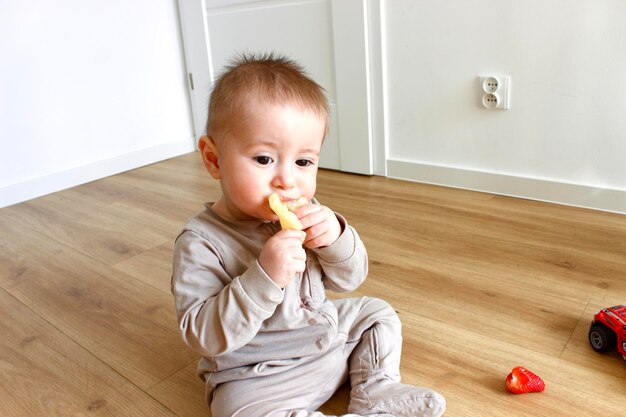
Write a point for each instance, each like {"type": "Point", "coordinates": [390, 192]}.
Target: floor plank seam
{"type": "Point", "coordinates": [580, 317]}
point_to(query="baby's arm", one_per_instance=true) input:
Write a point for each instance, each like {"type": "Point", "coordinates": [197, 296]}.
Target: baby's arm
{"type": "Point", "coordinates": [341, 252]}
{"type": "Point", "coordinates": [343, 258]}
{"type": "Point", "coordinates": [217, 313]}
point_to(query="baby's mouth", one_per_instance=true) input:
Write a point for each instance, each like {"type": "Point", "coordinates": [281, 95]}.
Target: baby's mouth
{"type": "Point", "coordinates": [293, 205]}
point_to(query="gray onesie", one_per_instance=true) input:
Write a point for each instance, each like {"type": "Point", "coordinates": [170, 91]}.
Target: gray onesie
{"type": "Point", "coordinates": [272, 351]}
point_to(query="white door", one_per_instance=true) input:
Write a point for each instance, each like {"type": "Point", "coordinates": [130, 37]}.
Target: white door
{"type": "Point", "coordinates": [328, 37]}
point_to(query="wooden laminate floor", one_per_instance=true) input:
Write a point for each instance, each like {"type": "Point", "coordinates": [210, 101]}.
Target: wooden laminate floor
{"type": "Point", "coordinates": [482, 283]}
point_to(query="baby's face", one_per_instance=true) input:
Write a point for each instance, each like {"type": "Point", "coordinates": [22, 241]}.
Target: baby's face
{"type": "Point", "coordinates": [274, 148]}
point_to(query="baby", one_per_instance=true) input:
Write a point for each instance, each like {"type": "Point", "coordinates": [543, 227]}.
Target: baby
{"type": "Point", "coordinates": [250, 295]}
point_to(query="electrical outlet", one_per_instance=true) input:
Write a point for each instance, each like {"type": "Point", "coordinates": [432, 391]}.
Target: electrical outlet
{"type": "Point", "coordinates": [490, 101]}
{"type": "Point", "coordinates": [494, 91]}
{"type": "Point", "coordinates": [491, 84]}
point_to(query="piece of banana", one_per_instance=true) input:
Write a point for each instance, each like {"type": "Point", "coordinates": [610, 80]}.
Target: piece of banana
{"type": "Point", "coordinates": [288, 220]}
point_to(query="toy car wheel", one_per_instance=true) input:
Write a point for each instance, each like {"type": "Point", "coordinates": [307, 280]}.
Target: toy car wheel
{"type": "Point", "coordinates": [601, 339]}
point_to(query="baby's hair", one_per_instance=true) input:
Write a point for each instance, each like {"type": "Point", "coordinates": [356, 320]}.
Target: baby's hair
{"type": "Point", "coordinates": [267, 77]}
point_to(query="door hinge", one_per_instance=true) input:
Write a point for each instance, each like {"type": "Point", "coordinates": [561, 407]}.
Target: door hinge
{"type": "Point", "coordinates": [191, 80]}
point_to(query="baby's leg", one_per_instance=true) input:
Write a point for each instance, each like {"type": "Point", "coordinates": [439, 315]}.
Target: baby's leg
{"type": "Point", "coordinates": [375, 333]}
{"type": "Point", "coordinates": [375, 364]}
{"type": "Point", "coordinates": [295, 392]}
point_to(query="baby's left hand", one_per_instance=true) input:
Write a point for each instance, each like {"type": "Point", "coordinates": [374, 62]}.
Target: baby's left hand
{"type": "Point", "coordinates": [320, 224]}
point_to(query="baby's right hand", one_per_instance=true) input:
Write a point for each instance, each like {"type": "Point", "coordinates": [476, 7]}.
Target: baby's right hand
{"type": "Point", "coordinates": [283, 256]}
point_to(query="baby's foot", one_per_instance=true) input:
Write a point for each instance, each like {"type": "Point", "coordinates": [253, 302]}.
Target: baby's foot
{"type": "Point", "coordinates": [395, 398]}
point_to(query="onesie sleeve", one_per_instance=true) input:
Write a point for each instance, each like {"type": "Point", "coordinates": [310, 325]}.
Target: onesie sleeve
{"type": "Point", "coordinates": [344, 263]}
{"type": "Point", "coordinates": [218, 314]}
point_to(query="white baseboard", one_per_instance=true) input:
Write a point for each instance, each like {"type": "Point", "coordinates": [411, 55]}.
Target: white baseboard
{"type": "Point", "coordinates": [533, 189]}
{"type": "Point", "coordinates": [36, 187]}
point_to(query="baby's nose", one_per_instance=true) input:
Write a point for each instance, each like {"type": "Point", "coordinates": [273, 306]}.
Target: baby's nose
{"type": "Point", "coordinates": [284, 179]}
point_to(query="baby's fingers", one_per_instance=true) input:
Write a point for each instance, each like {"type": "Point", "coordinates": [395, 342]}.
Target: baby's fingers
{"type": "Point", "coordinates": [312, 215]}
{"type": "Point", "coordinates": [291, 234]}
{"type": "Point", "coordinates": [318, 241]}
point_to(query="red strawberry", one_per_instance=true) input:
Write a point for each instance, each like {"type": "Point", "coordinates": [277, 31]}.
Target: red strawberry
{"type": "Point", "coordinates": [521, 381]}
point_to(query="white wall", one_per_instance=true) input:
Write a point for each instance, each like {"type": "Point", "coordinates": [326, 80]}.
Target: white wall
{"type": "Point", "coordinates": [564, 138]}
{"type": "Point", "coordinates": [88, 89]}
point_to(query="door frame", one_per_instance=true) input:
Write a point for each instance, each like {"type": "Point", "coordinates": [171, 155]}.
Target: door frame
{"type": "Point", "coordinates": [195, 33]}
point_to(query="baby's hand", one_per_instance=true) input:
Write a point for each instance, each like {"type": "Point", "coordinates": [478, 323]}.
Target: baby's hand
{"type": "Point", "coordinates": [320, 224]}
{"type": "Point", "coordinates": [283, 256]}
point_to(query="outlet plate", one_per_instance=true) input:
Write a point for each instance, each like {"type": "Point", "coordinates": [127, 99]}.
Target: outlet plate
{"type": "Point", "coordinates": [494, 91]}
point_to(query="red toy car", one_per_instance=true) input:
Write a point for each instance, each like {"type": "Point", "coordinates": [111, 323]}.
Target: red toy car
{"type": "Point", "coordinates": [608, 328]}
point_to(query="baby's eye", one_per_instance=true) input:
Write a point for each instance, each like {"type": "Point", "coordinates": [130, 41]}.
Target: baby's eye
{"type": "Point", "coordinates": [304, 162]}
{"type": "Point", "coordinates": [263, 160]}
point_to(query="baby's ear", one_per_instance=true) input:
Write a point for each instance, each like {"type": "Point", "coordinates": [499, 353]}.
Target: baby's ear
{"type": "Point", "coordinates": [210, 156]}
